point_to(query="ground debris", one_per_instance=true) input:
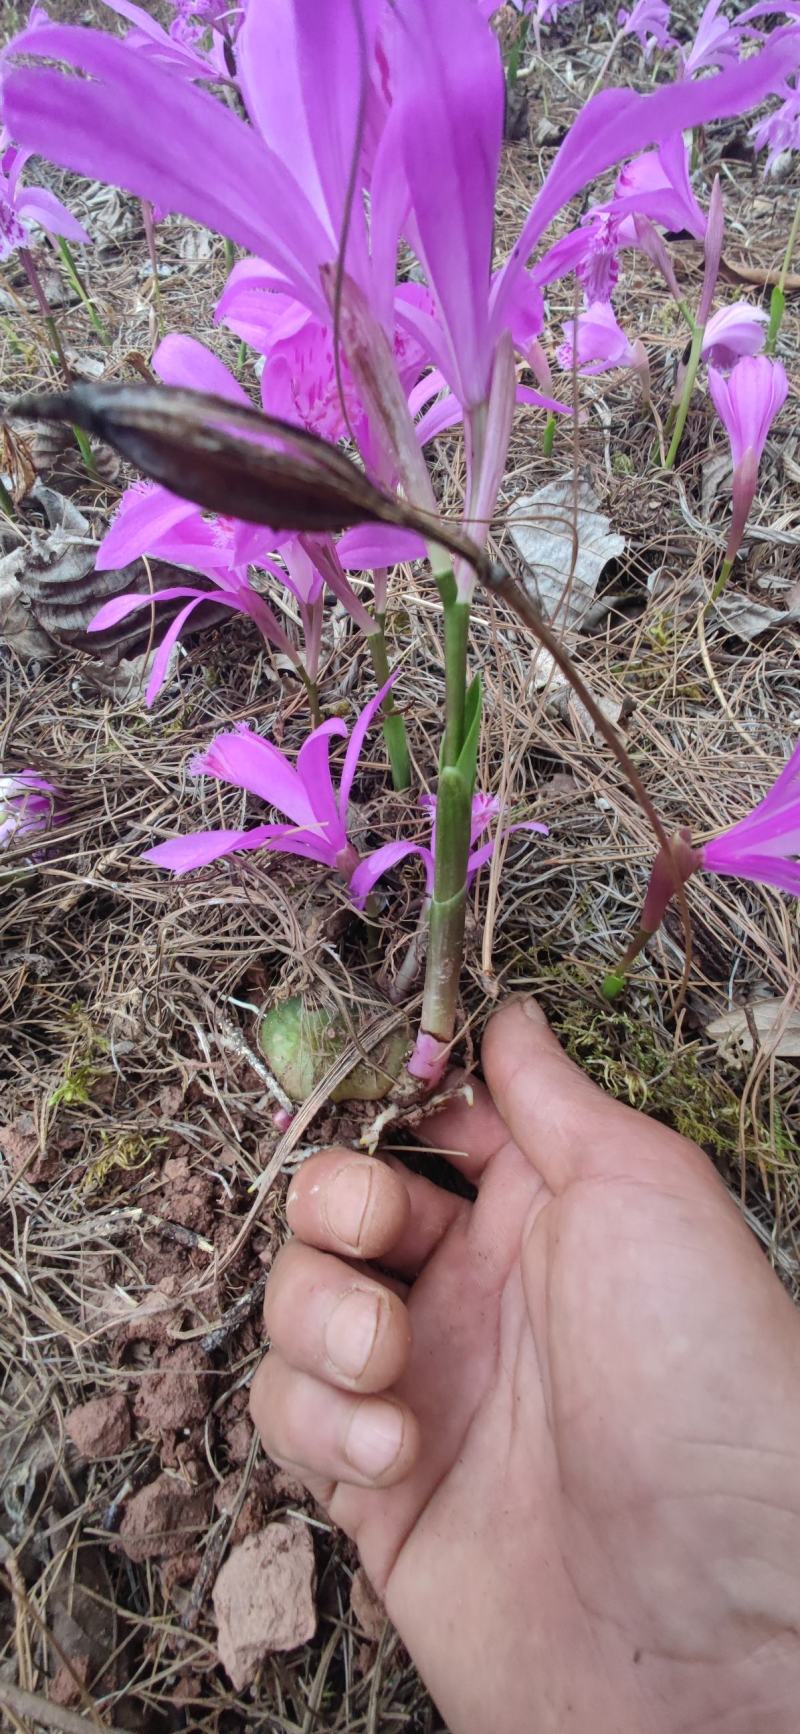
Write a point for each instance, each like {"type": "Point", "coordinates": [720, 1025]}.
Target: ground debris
{"type": "Point", "coordinates": [264, 1598]}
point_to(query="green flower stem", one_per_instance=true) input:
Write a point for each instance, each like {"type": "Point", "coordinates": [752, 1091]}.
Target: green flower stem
{"type": "Point", "coordinates": [777, 304]}
{"type": "Point", "coordinates": [312, 694]}
{"type": "Point", "coordinates": [615, 982]}
{"type": "Point", "coordinates": [448, 905]}
{"type": "Point", "coordinates": [6, 502]}
{"type": "Point", "coordinates": [458, 759]}
{"type": "Point", "coordinates": [725, 572]}
{"type": "Point", "coordinates": [456, 635]}
{"type": "Point", "coordinates": [394, 728]}
{"type": "Point", "coordinates": [549, 435]}
{"type": "Point", "coordinates": [686, 395]}
{"type": "Point", "coordinates": [81, 290]}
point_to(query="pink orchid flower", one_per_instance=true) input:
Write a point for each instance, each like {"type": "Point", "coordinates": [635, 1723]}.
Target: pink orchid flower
{"type": "Point", "coordinates": [27, 804]}
{"type": "Point", "coordinates": [599, 343]}
{"type": "Point", "coordinates": [763, 847]}
{"type": "Point", "coordinates": [151, 520]}
{"type": "Point", "coordinates": [174, 50]}
{"type": "Point", "coordinates": [316, 812]}
{"type": "Point", "coordinates": [732, 332]}
{"type": "Point", "coordinates": [780, 131]}
{"type": "Point", "coordinates": [485, 808]}
{"type": "Point", "coordinates": [717, 42]}
{"type": "Point", "coordinates": [21, 206]}
{"type": "Point", "coordinates": [649, 21]}
{"type": "Point", "coordinates": [747, 402]}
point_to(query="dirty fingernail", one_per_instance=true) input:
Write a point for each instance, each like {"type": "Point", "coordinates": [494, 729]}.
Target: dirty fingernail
{"type": "Point", "coordinates": [344, 1202]}
{"type": "Point", "coordinates": [374, 1438]}
{"type": "Point", "coordinates": [351, 1331]}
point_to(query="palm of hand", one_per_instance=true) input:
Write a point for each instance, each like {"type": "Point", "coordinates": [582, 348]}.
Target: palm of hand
{"type": "Point", "coordinates": [575, 1543]}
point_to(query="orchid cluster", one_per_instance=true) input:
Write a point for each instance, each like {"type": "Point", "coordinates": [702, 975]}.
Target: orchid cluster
{"type": "Point", "coordinates": [372, 132]}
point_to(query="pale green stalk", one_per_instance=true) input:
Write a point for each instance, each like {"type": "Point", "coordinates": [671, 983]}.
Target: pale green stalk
{"type": "Point", "coordinates": [453, 821]}
{"type": "Point", "coordinates": [394, 728]}
{"type": "Point", "coordinates": [692, 366]}
{"type": "Point", "coordinates": [81, 290]}
{"type": "Point", "coordinates": [777, 304]}
{"type": "Point", "coordinates": [549, 435]}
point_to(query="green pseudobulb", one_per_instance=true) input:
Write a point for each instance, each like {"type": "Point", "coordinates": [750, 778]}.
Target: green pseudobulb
{"type": "Point", "coordinates": [301, 1043]}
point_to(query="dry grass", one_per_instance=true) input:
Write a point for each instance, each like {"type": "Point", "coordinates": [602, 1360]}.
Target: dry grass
{"type": "Point", "coordinates": [120, 987]}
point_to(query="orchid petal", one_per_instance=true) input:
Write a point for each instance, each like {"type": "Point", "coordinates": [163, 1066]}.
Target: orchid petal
{"type": "Point", "coordinates": [614, 124]}
{"type": "Point", "coordinates": [250, 762]}
{"type": "Point", "coordinates": [313, 767]}
{"type": "Point", "coordinates": [164, 651]}
{"type": "Point", "coordinates": [120, 607]}
{"type": "Point", "coordinates": [446, 412]}
{"type": "Point", "coordinates": [373, 867]}
{"type": "Point", "coordinates": [184, 854]}
{"type": "Point", "coordinates": [142, 517]}
{"type": "Point", "coordinates": [182, 361]}
{"type": "Point", "coordinates": [203, 161]}
{"type": "Point", "coordinates": [356, 742]}
{"type": "Point", "coordinates": [38, 205]}
{"type": "Point", "coordinates": [449, 101]}
{"type": "Point", "coordinates": [370, 545]}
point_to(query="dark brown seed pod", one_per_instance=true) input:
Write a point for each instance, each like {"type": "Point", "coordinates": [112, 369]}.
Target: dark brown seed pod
{"type": "Point", "coordinates": [232, 459]}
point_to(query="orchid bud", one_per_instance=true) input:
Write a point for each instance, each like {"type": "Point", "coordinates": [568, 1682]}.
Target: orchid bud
{"type": "Point", "coordinates": [713, 251]}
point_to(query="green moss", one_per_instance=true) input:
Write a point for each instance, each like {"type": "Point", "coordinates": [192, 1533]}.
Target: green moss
{"type": "Point", "coordinates": [75, 1089]}
{"type": "Point", "coordinates": [626, 1057]}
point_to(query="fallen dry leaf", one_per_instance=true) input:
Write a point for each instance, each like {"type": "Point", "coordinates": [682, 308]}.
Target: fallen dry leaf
{"type": "Point", "coordinates": [777, 1028]}
{"type": "Point", "coordinates": [566, 543]}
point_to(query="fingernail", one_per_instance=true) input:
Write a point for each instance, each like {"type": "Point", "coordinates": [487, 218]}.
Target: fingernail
{"type": "Point", "coordinates": [351, 1331]}
{"type": "Point", "coordinates": [533, 1010]}
{"type": "Point", "coordinates": [374, 1438]}
{"type": "Point", "coordinates": [345, 1201]}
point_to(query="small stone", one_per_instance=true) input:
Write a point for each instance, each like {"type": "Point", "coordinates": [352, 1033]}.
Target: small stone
{"type": "Point", "coordinates": [64, 1688]}
{"type": "Point", "coordinates": [264, 1599]}
{"type": "Point", "coordinates": [366, 1606]}
{"type": "Point", "coordinates": [162, 1520]}
{"type": "Point", "coordinates": [101, 1427]}
{"type": "Point", "coordinates": [176, 1394]}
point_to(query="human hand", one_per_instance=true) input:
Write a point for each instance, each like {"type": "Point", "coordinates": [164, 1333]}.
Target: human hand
{"type": "Point", "coordinates": [569, 1450]}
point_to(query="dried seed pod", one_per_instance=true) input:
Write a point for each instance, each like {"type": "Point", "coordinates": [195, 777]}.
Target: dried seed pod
{"type": "Point", "coordinates": [232, 459]}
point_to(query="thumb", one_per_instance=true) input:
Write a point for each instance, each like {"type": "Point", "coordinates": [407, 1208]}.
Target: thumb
{"type": "Point", "coordinates": [568, 1128]}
